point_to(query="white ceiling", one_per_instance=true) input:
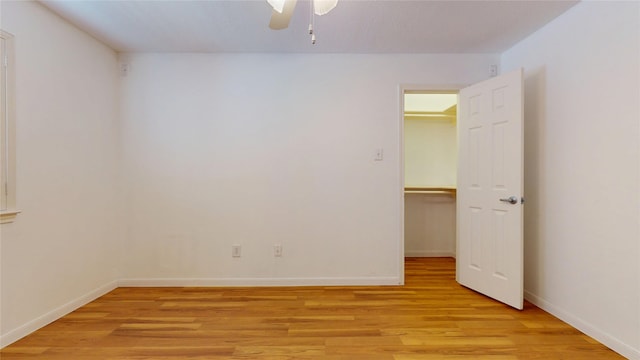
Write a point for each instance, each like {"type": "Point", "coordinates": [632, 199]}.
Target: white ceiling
{"type": "Point", "coordinates": [354, 26]}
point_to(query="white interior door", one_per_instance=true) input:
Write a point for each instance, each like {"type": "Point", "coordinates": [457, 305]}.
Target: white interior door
{"type": "Point", "coordinates": [490, 188]}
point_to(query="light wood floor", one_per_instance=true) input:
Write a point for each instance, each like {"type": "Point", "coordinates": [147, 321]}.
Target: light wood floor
{"type": "Point", "coordinates": [431, 317]}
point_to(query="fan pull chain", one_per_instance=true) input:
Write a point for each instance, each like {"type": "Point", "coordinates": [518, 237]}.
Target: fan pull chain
{"type": "Point", "coordinates": [312, 22]}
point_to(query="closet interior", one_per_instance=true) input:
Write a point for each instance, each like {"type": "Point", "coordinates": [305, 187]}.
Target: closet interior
{"type": "Point", "coordinates": [430, 159]}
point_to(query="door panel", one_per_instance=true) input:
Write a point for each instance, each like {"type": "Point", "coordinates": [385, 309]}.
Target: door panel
{"type": "Point", "coordinates": [490, 168]}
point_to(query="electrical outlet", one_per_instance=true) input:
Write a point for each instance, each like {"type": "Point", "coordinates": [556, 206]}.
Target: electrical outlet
{"type": "Point", "coordinates": [277, 250]}
{"type": "Point", "coordinates": [236, 250]}
{"type": "Point", "coordinates": [493, 70]}
{"type": "Point", "coordinates": [124, 69]}
{"type": "Point", "coordinates": [379, 154]}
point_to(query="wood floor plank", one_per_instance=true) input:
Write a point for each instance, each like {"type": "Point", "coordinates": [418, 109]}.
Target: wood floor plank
{"type": "Point", "coordinates": [290, 350]}
{"type": "Point", "coordinates": [429, 318]}
{"type": "Point", "coordinates": [453, 357]}
{"type": "Point", "coordinates": [443, 341]}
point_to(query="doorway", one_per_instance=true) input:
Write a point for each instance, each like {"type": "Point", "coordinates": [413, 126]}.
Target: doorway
{"type": "Point", "coordinates": [430, 171]}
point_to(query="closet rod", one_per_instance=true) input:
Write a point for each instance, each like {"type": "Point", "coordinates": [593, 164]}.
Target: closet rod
{"type": "Point", "coordinates": [429, 190]}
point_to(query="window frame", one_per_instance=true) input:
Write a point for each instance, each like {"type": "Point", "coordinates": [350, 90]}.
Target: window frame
{"type": "Point", "coordinates": [8, 210]}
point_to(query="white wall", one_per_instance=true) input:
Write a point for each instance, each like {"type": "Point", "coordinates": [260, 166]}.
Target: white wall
{"type": "Point", "coordinates": [430, 152]}
{"type": "Point", "coordinates": [262, 149]}
{"type": "Point", "coordinates": [429, 225]}
{"type": "Point", "coordinates": [582, 136]}
{"type": "Point", "coordinates": [63, 248]}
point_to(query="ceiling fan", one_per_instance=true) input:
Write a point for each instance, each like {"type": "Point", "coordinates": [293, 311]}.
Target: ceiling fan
{"type": "Point", "coordinates": [283, 9]}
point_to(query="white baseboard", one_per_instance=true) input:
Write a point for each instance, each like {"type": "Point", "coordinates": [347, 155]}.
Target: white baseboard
{"type": "Point", "coordinates": [186, 282]}
{"type": "Point", "coordinates": [44, 320]}
{"type": "Point", "coordinates": [613, 343]}
{"type": "Point", "coordinates": [421, 253]}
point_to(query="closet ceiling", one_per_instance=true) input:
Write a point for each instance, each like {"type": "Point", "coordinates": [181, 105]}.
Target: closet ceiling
{"type": "Point", "coordinates": [354, 26]}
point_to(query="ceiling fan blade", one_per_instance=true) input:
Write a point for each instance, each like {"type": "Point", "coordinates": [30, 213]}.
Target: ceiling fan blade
{"type": "Point", "coordinates": [324, 6]}
{"type": "Point", "coordinates": [281, 21]}
{"type": "Point", "coordinates": [277, 5]}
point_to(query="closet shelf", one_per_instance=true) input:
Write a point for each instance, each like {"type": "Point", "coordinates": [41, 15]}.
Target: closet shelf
{"type": "Point", "coordinates": [430, 190]}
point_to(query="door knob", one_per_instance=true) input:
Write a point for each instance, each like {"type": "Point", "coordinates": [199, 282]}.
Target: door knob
{"type": "Point", "coordinates": [511, 200]}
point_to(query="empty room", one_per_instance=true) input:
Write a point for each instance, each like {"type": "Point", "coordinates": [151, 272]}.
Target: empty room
{"type": "Point", "coordinates": [244, 179]}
